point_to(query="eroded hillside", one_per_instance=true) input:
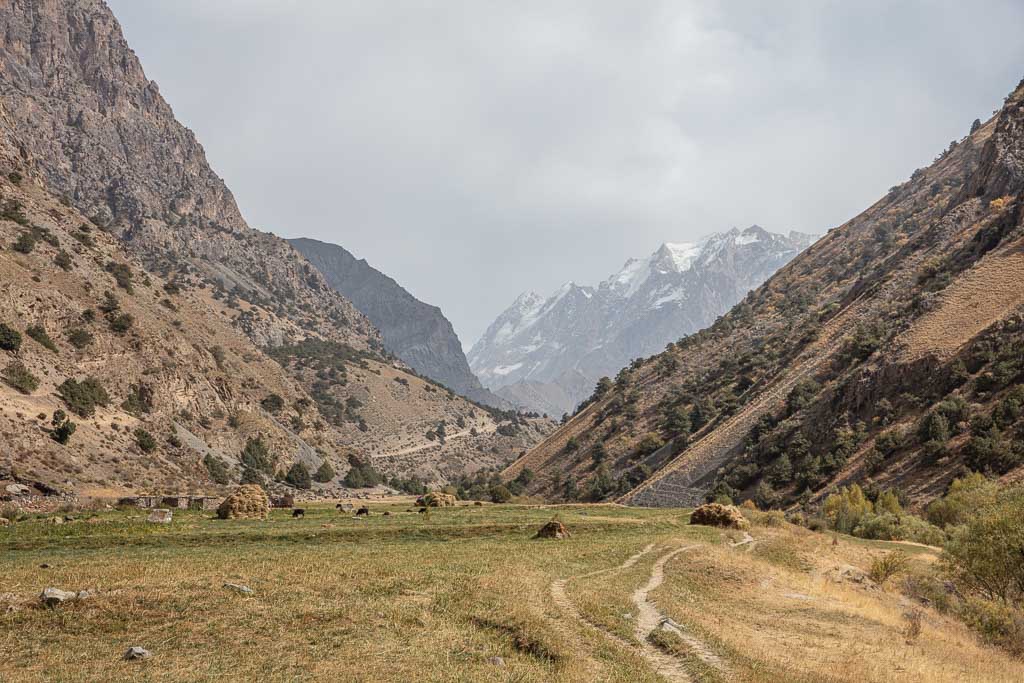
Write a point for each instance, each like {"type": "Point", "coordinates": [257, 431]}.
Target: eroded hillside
{"type": "Point", "coordinates": [891, 352]}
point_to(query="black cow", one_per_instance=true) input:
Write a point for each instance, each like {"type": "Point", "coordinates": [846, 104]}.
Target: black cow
{"type": "Point", "coordinates": [365, 511]}
{"type": "Point", "coordinates": [298, 512]}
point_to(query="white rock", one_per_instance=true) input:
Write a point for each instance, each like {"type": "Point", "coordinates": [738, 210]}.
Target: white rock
{"type": "Point", "coordinates": [134, 653]}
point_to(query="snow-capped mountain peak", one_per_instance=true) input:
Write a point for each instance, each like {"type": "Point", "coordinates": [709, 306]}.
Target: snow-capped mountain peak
{"type": "Point", "coordinates": [584, 332]}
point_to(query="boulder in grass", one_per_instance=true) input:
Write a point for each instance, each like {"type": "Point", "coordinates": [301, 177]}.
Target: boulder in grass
{"type": "Point", "coordinates": [249, 501]}
{"type": "Point", "coordinates": [718, 515]}
{"type": "Point", "coordinates": [136, 653]}
{"type": "Point", "coordinates": [54, 597]}
{"type": "Point", "coordinates": [436, 499]}
{"type": "Point", "coordinates": [553, 529]}
{"type": "Point", "coordinates": [160, 516]}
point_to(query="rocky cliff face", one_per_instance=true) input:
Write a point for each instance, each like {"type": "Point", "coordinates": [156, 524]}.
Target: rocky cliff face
{"type": "Point", "coordinates": [125, 265]}
{"type": "Point", "coordinates": [591, 332]}
{"type": "Point", "coordinates": [416, 332]}
{"type": "Point", "coordinates": [76, 98]}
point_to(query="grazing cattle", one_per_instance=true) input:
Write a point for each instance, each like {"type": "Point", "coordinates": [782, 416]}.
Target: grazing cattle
{"type": "Point", "coordinates": [298, 512]}
{"type": "Point", "coordinates": [365, 511]}
{"type": "Point", "coordinates": [387, 514]}
{"type": "Point", "coordinates": [338, 506]}
{"type": "Point", "coordinates": [423, 511]}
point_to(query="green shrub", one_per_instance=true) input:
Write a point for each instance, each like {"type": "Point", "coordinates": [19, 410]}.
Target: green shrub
{"type": "Point", "coordinates": [218, 470]}
{"type": "Point", "coordinates": [10, 339]}
{"type": "Point", "coordinates": [361, 474]}
{"type": "Point", "coordinates": [83, 397]}
{"type": "Point", "coordinates": [139, 401]}
{"type": "Point", "coordinates": [120, 322]}
{"type": "Point", "coordinates": [500, 494]}
{"type": "Point", "coordinates": [887, 566]}
{"type": "Point", "coordinates": [19, 377]}
{"type": "Point", "coordinates": [144, 440]}
{"type": "Point", "coordinates": [25, 243]}
{"type": "Point", "coordinates": [964, 497]}
{"type": "Point", "coordinates": [845, 509]}
{"type": "Point", "coordinates": [649, 444]}
{"type": "Point", "coordinates": [324, 473]}
{"type": "Point", "coordinates": [39, 333]}
{"type": "Point", "coordinates": [272, 403]}
{"type": "Point", "coordinates": [997, 624]}
{"type": "Point", "coordinates": [122, 276]}
{"type": "Point", "coordinates": [63, 260]}
{"type": "Point", "coordinates": [80, 338]}
{"type": "Point", "coordinates": [256, 456]}
{"type": "Point", "coordinates": [63, 427]}
{"type": "Point", "coordinates": [298, 476]}
{"type": "Point", "coordinates": [985, 553]}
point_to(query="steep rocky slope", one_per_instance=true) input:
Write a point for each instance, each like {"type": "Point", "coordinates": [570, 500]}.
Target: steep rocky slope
{"type": "Point", "coordinates": [584, 333]}
{"type": "Point", "coordinates": [82, 110]}
{"type": "Point", "coordinates": [891, 352]}
{"type": "Point", "coordinates": [227, 333]}
{"type": "Point", "coordinates": [416, 332]}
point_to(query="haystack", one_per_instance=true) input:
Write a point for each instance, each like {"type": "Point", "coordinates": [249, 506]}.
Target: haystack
{"type": "Point", "coordinates": [553, 529]}
{"type": "Point", "coordinates": [436, 499]}
{"type": "Point", "coordinates": [715, 514]}
{"type": "Point", "coordinates": [249, 501]}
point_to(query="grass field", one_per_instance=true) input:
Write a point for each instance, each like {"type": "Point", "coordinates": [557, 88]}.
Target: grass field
{"type": "Point", "coordinates": [409, 597]}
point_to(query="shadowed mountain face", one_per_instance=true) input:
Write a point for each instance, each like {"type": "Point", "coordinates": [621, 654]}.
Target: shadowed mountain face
{"type": "Point", "coordinates": [547, 354]}
{"type": "Point", "coordinates": [416, 332]}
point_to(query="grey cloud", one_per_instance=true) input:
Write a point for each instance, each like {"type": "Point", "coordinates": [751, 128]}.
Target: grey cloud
{"type": "Point", "coordinates": [473, 150]}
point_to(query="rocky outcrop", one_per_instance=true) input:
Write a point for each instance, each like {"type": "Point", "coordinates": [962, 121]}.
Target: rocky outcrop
{"type": "Point", "coordinates": [416, 332]}
{"type": "Point", "coordinates": [97, 131]}
{"type": "Point", "coordinates": [591, 332]}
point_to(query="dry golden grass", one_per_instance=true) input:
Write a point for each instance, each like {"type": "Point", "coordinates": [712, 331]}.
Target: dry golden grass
{"type": "Point", "coordinates": [403, 598]}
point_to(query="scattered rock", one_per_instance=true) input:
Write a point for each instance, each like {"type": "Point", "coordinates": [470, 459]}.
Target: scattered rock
{"type": "Point", "coordinates": [135, 653]}
{"type": "Point", "coordinates": [723, 516]}
{"type": "Point", "coordinates": [238, 588]}
{"type": "Point", "coordinates": [845, 573]}
{"type": "Point", "coordinates": [54, 597]}
{"type": "Point", "coordinates": [54, 520]}
{"type": "Point", "coordinates": [553, 529]}
{"type": "Point", "coordinates": [249, 501]}
{"type": "Point", "coordinates": [436, 499]}
{"type": "Point", "coordinates": [496, 661]}
{"type": "Point", "coordinates": [17, 490]}
{"type": "Point", "coordinates": [160, 516]}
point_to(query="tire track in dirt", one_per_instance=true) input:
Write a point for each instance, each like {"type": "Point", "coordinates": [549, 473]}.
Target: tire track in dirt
{"type": "Point", "coordinates": [649, 619]}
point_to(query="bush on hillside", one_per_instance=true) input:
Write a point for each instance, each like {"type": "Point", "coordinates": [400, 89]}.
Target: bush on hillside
{"type": "Point", "coordinates": [324, 473]}
{"type": "Point", "coordinates": [63, 427]}
{"type": "Point", "coordinates": [10, 339]}
{"type": "Point", "coordinates": [256, 456]}
{"type": "Point", "coordinates": [19, 377]}
{"type": "Point", "coordinates": [217, 469]}
{"type": "Point", "coordinates": [984, 554]}
{"type": "Point", "coordinates": [39, 333]}
{"type": "Point", "coordinates": [83, 397]}
{"type": "Point", "coordinates": [361, 474]}
{"type": "Point", "coordinates": [964, 497]}
{"type": "Point", "coordinates": [144, 440]}
{"type": "Point", "coordinates": [298, 476]}
{"type": "Point", "coordinates": [80, 338]}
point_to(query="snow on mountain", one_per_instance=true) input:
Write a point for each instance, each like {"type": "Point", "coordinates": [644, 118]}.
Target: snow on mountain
{"type": "Point", "coordinates": [578, 334]}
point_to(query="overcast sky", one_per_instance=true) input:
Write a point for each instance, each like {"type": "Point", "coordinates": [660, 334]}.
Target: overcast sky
{"type": "Point", "coordinates": [474, 150]}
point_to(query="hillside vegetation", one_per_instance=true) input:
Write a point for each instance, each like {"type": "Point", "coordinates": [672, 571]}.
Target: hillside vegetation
{"type": "Point", "coordinates": [890, 353]}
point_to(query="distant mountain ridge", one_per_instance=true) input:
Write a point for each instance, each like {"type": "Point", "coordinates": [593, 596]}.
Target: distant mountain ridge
{"type": "Point", "coordinates": [591, 332]}
{"type": "Point", "coordinates": [416, 332]}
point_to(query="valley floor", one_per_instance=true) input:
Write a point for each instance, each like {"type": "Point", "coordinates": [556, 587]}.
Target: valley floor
{"type": "Point", "coordinates": [633, 595]}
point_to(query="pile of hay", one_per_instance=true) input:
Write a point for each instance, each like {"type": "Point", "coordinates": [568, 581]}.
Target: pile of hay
{"type": "Point", "coordinates": [715, 514]}
{"type": "Point", "coordinates": [553, 529]}
{"type": "Point", "coordinates": [249, 501]}
{"type": "Point", "coordinates": [436, 499]}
